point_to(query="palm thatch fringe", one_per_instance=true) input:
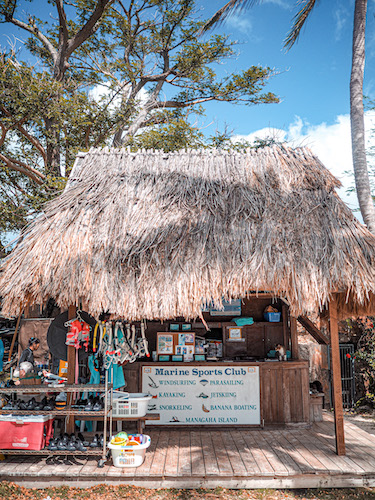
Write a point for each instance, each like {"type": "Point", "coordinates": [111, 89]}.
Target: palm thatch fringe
{"type": "Point", "coordinates": [154, 235]}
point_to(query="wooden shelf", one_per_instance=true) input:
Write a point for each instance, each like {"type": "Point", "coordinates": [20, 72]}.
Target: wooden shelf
{"type": "Point", "coordinates": [46, 451]}
{"type": "Point", "coordinates": [56, 413]}
{"type": "Point", "coordinates": [29, 389]}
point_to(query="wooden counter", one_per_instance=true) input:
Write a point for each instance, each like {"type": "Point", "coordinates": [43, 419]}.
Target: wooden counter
{"type": "Point", "coordinates": [284, 387]}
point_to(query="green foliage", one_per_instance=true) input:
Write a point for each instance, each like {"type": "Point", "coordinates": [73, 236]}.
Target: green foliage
{"type": "Point", "coordinates": [155, 72]}
{"type": "Point", "coordinates": [365, 360]}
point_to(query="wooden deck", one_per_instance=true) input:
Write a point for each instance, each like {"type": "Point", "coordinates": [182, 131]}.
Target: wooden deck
{"type": "Point", "coordinates": [250, 458]}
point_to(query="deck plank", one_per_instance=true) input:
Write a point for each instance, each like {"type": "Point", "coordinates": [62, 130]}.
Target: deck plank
{"type": "Point", "coordinates": [171, 462]}
{"type": "Point", "coordinates": [158, 464]}
{"type": "Point", "coordinates": [326, 436]}
{"type": "Point", "coordinates": [197, 460]}
{"type": "Point", "coordinates": [303, 450]}
{"type": "Point", "coordinates": [90, 468]}
{"type": "Point", "coordinates": [365, 443]}
{"type": "Point", "coordinates": [291, 465]}
{"type": "Point", "coordinates": [210, 461]}
{"type": "Point", "coordinates": [221, 454]}
{"type": "Point", "coordinates": [298, 458]}
{"type": "Point", "coordinates": [326, 433]}
{"type": "Point", "coordinates": [272, 455]}
{"type": "Point", "coordinates": [263, 464]}
{"type": "Point", "coordinates": [324, 455]}
{"type": "Point", "coordinates": [244, 450]}
{"type": "Point", "coordinates": [184, 457]}
{"type": "Point", "coordinates": [234, 456]}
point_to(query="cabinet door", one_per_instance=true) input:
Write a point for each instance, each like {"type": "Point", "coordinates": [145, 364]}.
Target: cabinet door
{"type": "Point", "coordinates": [255, 340]}
{"type": "Point", "coordinates": [234, 347]}
{"type": "Point", "coordinates": [274, 334]}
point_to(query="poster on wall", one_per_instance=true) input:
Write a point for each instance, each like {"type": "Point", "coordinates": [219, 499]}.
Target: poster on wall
{"type": "Point", "coordinates": [165, 344]}
{"type": "Point", "coordinates": [232, 308]}
{"type": "Point", "coordinates": [193, 395]}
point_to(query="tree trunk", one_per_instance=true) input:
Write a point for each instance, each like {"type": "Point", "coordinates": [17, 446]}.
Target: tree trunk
{"type": "Point", "coordinates": [362, 180]}
{"type": "Point", "coordinates": [53, 148]}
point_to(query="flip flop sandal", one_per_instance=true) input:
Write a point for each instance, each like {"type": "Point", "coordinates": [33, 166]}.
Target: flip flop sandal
{"type": "Point", "coordinates": [52, 445]}
{"type": "Point", "coordinates": [95, 442]}
{"type": "Point", "coordinates": [80, 446]}
{"type": "Point", "coordinates": [90, 405]}
{"type": "Point", "coordinates": [31, 404]}
{"type": "Point", "coordinates": [97, 406]}
{"type": "Point", "coordinates": [82, 439]}
{"type": "Point", "coordinates": [61, 445]}
{"type": "Point", "coordinates": [71, 445]}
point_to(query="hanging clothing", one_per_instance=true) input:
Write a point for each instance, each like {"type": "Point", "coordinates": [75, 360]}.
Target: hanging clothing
{"type": "Point", "coordinates": [118, 376]}
{"type": "Point", "coordinates": [94, 372]}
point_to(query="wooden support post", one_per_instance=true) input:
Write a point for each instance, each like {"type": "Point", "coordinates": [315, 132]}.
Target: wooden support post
{"type": "Point", "coordinates": [14, 337]}
{"type": "Point", "coordinates": [71, 372]}
{"type": "Point", "coordinates": [336, 377]}
{"type": "Point", "coordinates": [294, 337]}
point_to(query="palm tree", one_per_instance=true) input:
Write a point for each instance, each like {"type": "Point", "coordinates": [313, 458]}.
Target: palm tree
{"type": "Point", "coordinates": [361, 176]}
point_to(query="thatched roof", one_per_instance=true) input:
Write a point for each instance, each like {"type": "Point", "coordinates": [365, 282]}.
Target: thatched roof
{"type": "Point", "coordinates": [153, 235]}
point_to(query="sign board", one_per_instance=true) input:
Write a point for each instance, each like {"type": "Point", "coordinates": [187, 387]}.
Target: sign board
{"type": "Point", "coordinates": [203, 395]}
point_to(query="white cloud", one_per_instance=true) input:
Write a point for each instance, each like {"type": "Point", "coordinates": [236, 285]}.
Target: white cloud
{"type": "Point", "coordinates": [102, 91]}
{"type": "Point", "coordinates": [285, 4]}
{"type": "Point", "coordinates": [341, 17]}
{"type": "Point", "coordinates": [331, 143]}
{"type": "Point", "coordinates": [240, 23]}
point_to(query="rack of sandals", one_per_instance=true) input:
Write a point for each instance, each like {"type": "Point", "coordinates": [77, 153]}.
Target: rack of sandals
{"type": "Point", "coordinates": [40, 441]}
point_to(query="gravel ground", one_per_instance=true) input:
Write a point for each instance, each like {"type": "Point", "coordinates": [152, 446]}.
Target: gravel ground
{"type": "Point", "coordinates": [10, 491]}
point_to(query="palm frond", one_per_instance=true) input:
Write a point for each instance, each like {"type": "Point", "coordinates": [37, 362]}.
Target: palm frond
{"type": "Point", "coordinates": [298, 22]}
{"type": "Point", "coordinates": [229, 8]}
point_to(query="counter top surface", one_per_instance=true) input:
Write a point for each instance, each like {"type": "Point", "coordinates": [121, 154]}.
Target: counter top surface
{"type": "Point", "coordinates": [229, 362]}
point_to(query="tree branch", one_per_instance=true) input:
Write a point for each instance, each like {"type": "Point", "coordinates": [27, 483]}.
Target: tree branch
{"type": "Point", "coordinates": [63, 28]}
{"type": "Point", "coordinates": [26, 134]}
{"type": "Point", "coordinates": [89, 28]}
{"type": "Point", "coordinates": [31, 28]}
{"type": "Point", "coordinates": [24, 169]}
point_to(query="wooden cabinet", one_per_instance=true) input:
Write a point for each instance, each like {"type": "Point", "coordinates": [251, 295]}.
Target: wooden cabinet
{"type": "Point", "coordinates": [285, 392]}
{"type": "Point", "coordinates": [256, 340]}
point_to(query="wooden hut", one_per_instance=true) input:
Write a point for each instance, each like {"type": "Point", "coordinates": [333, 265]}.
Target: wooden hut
{"type": "Point", "coordinates": [157, 235]}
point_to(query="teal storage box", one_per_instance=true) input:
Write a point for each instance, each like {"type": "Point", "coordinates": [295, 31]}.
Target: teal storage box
{"type": "Point", "coordinates": [272, 317]}
{"type": "Point", "coordinates": [243, 321]}
{"type": "Point", "coordinates": [164, 357]}
{"type": "Point", "coordinates": [177, 357]}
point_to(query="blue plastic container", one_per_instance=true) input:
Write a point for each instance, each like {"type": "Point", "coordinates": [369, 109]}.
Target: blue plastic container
{"type": "Point", "coordinates": [272, 317]}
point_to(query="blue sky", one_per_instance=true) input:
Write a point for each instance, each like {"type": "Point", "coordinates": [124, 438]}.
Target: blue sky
{"type": "Point", "coordinates": [314, 75]}
{"type": "Point", "coordinates": [313, 79]}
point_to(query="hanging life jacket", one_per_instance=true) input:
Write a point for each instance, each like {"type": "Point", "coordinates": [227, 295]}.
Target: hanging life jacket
{"type": "Point", "coordinates": [73, 335]}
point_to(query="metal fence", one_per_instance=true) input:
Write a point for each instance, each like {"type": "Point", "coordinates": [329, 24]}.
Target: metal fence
{"type": "Point", "coordinates": [347, 375]}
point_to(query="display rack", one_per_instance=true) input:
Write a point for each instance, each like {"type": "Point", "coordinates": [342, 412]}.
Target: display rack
{"type": "Point", "coordinates": [65, 412]}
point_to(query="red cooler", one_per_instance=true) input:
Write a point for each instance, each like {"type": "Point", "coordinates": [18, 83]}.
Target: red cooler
{"type": "Point", "coordinates": [25, 432]}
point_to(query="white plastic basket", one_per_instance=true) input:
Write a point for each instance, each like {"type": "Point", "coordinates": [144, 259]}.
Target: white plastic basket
{"type": "Point", "coordinates": [130, 405]}
{"type": "Point", "coordinates": [130, 456]}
